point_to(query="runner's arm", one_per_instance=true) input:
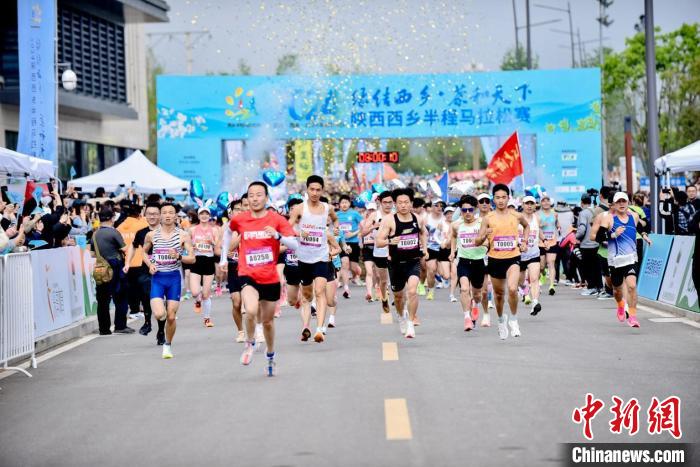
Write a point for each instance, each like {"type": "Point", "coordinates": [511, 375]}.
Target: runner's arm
{"type": "Point", "coordinates": [147, 245]}
{"type": "Point", "coordinates": [423, 237]}
{"type": "Point", "coordinates": [483, 232]}
{"type": "Point", "coordinates": [382, 239]}
{"type": "Point", "coordinates": [526, 230]}
{"type": "Point", "coordinates": [597, 224]}
{"type": "Point", "coordinates": [333, 244]}
{"type": "Point", "coordinates": [187, 245]}
{"type": "Point", "coordinates": [453, 239]}
{"type": "Point", "coordinates": [225, 244]}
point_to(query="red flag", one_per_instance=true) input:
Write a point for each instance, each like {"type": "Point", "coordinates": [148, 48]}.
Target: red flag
{"type": "Point", "coordinates": [507, 162]}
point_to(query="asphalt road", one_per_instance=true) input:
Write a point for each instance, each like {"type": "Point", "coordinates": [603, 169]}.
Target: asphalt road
{"type": "Point", "coordinates": [471, 398]}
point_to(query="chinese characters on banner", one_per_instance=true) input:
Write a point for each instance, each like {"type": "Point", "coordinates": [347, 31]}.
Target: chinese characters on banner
{"type": "Point", "coordinates": [661, 416]}
{"type": "Point", "coordinates": [37, 73]}
{"type": "Point", "coordinates": [303, 160]}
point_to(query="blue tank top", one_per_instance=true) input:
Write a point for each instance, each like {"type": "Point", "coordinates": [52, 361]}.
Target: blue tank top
{"type": "Point", "coordinates": [622, 251]}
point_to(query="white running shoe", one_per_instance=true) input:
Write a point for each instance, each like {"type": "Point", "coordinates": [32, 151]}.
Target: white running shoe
{"type": "Point", "coordinates": [453, 299]}
{"type": "Point", "coordinates": [403, 324]}
{"type": "Point", "coordinates": [167, 351]}
{"type": "Point", "coordinates": [411, 330]}
{"type": "Point", "coordinates": [241, 337]}
{"type": "Point", "coordinates": [514, 328]}
{"type": "Point", "coordinates": [503, 330]}
{"type": "Point", "coordinates": [247, 355]}
{"type": "Point", "coordinates": [491, 305]}
{"type": "Point", "coordinates": [331, 321]}
{"type": "Point", "coordinates": [486, 320]}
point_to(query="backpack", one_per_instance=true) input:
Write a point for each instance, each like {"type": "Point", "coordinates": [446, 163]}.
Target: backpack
{"type": "Point", "coordinates": [103, 271]}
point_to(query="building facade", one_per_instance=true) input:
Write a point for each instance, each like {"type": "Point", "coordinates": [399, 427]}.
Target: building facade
{"type": "Point", "coordinates": [106, 117]}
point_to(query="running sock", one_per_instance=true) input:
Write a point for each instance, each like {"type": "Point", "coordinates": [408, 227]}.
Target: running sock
{"type": "Point", "coordinates": [161, 326]}
{"type": "Point", "coordinates": [621, 304]}
{"type": "Point", "coordinates": [502, 319]}
{"type": "Point", "coordinates": [466, 314]}
{"type": "Point", "coordinates": [535, 302]}
{"type": "Point", "coordinates": [167, 343]}
{"type": "Point", "coordinates": [632, 311]}
{"type": "Point", "coordinates": [206, 305]}
{"type": "Point", "coordinates": [319, 329]}
{"type": "Point", "coordinates": [258, 329]}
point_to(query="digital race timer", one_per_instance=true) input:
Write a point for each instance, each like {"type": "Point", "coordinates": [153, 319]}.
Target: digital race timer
{"type": "Point", "coordinates": [391, 157]}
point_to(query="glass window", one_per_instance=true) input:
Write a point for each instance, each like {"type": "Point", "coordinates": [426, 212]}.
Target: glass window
{"type": "Point", "coordinates": [67, 158]}
{"type": "Point", "coordinates": [11, 140]}
{"type": "Point", "coordinates": [111, 156]}
{"type": "Point", "coordinates": [91, 159]}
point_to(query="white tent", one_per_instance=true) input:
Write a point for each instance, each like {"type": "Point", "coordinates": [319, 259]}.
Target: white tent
{"type": "Point", "coordinates": [147, 177]}
{"type": "Point", "coordinates": [18, 164]}
{"type": "Point", "coordinates": [683, 160]}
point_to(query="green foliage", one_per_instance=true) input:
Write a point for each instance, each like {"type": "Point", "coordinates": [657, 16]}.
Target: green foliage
{"type": "Point", "coordinates": [287, 64]}
{"type": "Point", "coordinates": [678, 83]}
{"type": "Point", "coordinates": [516, 59]}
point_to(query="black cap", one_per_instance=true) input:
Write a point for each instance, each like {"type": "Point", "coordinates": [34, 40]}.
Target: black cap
{"type": "Point", "coordinates": [586, 198]}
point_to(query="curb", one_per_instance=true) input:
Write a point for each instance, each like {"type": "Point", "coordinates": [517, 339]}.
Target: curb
{"type": "Point", "coordinates": [66, 334]}
{"type": "Point", "coordinates": [669, 309]}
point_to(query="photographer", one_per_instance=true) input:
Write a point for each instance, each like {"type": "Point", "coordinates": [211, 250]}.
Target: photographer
{"type": "Point", "coordinates": [684, 213]}
{"type": "Point", "coordinates": [667, 210]}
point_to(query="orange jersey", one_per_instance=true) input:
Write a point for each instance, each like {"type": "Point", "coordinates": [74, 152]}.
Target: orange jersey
{"type": "Point", "coordinates": [503, 240]}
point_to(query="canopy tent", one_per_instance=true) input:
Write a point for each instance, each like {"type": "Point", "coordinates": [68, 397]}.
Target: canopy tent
{"type": "Point", "coordinates": [18, 164]}
{"type": "Point", "coordinates": [147, 177]}
{"type": "Point", "coordinates": [683, 160]}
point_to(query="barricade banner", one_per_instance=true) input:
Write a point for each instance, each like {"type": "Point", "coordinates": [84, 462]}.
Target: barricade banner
{"type": "Point", "coordinates": [688, 296]}
{"type": "Point", "coordinates": [678, 262]}
{"type": "Point", "coordinates": [654, 265]}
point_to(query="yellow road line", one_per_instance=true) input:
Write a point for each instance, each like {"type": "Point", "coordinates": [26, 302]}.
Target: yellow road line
{"type": "Point", "coordinates": [386, 318]}
{"type": "Point", "coordinates": [390, 351]}
{"type": "Point", "coordinates": [398, 425]}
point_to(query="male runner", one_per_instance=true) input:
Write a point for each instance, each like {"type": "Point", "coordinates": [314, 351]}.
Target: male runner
{"type": "Point", "coordinates": [470, 268]}
{"type": "Point", "coordinates": [549, 247]}
{"type": "Point", "coordinates": [500, 227]}
{"type": "Point", "coordinates": [349, 222]}
{"type": "Point", "coordinates": [167, 243]}
{"type": "Point", "coordinates": [621, 223]}
{"type": "Point", "coordinates": [437, 231]}
{"type": "Point", "coordinates": [291, 266]}
{"type": "Point", "coordinates": [257, 233]}
{"type": "Point", "coordinates": [204, 237]}
{"type": "Point", "coordinates": [484, 200]}
{"type": "Point", "coordinates": [311, 217]}
{"type": "Point", "coordinates": [607, 194]}
{"type": "Point", "coordinates": [530, 259]}
{"type": "Point", "coordinates": [405, 235]}
{"type": "Point", "coordinates": [368, 230]}
{"type": "Point", "coordinates": [381, 253]}
{"type": "Point", "coordinates": [234, 284]}
{"type": "Point", "coordinates": [143, 278]}
{"type": "Point", "coordinates": [422, 211]}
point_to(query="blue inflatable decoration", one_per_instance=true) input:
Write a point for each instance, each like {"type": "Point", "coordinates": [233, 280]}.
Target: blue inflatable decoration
{"type": "Point", "coordinates": [378, 188]}
{"type": "Point", "coordinates": [273, 177]}
{"type": "Point", "coordinates": [196, 190]}
{"type": "Point", "coordinates": [223, 200]}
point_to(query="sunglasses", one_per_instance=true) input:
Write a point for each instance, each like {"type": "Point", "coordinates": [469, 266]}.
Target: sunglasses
{"type": "Point", "coordinates": [484, 201]}
{"type": "Point", "coordinates": [467, 209]}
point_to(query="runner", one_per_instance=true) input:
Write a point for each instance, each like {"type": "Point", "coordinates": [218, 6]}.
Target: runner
{"type": "Point", "coordinates": [204, 239]}
{"type": "Point", "coordinates": [381, 254]}
{"type": "Point", "coordinates": [291, 267]}
{"type": "Point", "coordinates": [484, 200]}
{"type": "Point", "coordinates": [501, 229]}
{"type": "Point", "coordinates": [422, 210]}
{"type": "Point", "coordinates": [530, 259]}
{"type": "Point", "coordinates": [334, 267]}
{"type": "Point", "coordinates": [349, 222]}
{"type": "Point", "coordinates": [368, 231]}
{"type": "Point", "coordinates": [470, 267]}
{"type": "Point", "coordinates": [167, 243]}
{"type": "Point", "coordinates": [143, 277]}
{"type": "Point", "coordinates": [234, 283]}
{"type": "Point", "coordinates": [405, 235]}
{"type": "Point", "coordinates": [257, 233]}
{"type": "Point", "coordinates": [452, 215]}
{"type": "Point", "coordinates": [437, 229]}
{"type": "Point", "coordinates": [549, 246]}
{"type": "Point", "coordinates": [620, 224]}
{"type": "Point", "coordinates": [312, 218]}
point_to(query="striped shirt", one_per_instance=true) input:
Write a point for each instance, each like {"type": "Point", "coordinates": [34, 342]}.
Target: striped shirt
{"type": "Point", "coordinates": [161, 246]}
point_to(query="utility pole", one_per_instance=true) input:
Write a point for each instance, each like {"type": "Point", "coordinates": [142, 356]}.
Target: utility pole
{"type": "Point", "coordinates": [529, 44]}
{"type": "Point", "coordinates": [603, 21]}
{"type": "Point", "coordinates": [566, 10]}
{"type": "Point", "coordinates": [515, 26]}
{"type": "Point", "coordinates": [652, 116]}
{"type": "Point", "coordinates": [190, 39]}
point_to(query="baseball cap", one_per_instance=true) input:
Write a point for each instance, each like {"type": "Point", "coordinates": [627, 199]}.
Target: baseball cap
{"type": "Point", "coordinates": [449, 209]}
{"type": "Point", "coordinates": [620, 195]}
{"type": "Point", "coordinates": [529, 199]}
{"type": "Point", "coordinates": [203, 209]}
{"type": "Point", "coordinates": [483, 196]}
{"type": "Point", "coordinates": [511, 202]}
{"type": "Point", "coordinates": [371, 205]}
{"type": "Point", "coordinates": [545, 195]}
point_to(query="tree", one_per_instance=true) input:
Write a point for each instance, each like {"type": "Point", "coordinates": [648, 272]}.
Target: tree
{"type": "Point", "coordinates": [153, 69]}
{"type": "Point", "coordinates": [243, 68]}
{"type": "Point", "coordinates": [288, 63]}
{"type": "Point", "coordinates": [678, 77]}
{"type": "Point", "coordinates": [516, 59]}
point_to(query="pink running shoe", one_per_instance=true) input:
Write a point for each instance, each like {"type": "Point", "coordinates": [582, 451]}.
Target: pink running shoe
{"type": "Point", "coordinates": [632, 321]}
{"type": "Point", "coordinates": [475, 313]}
{"type": "Point", "coordinates": [247, 355]}
{"type": "Point", "coordinates": [621, 314]}
{"type": "Point", "coordinates": [468, 324]}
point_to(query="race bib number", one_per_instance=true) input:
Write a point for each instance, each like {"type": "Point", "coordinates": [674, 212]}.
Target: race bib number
{"type": "Point", "coordinates": [202, 246]}
{"type": "Point", "coordinates": [313, 239]}
{"type": "Point", "coordinates": [548, 235]}
{"type": "Point", "coordinates": [467, 239]}
{"type": "Point", "coordinates": [291, 258]}
{"type": "Point", "coordinates": [346, 227]}
{"type": "Point", "coordinates": [408, 242]}
{"type": "Point", "coordinates": [504, 243]}
{"type": "Point", "coordinates": [531, 240]}
{"type": "Point", "coordinates": [162, 257]}
{"type": "Point", "coordinates": [259, 257]}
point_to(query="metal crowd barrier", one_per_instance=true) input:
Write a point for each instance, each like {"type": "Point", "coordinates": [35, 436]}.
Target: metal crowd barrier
{"type": "Point", "coordinates": [16, 310]}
